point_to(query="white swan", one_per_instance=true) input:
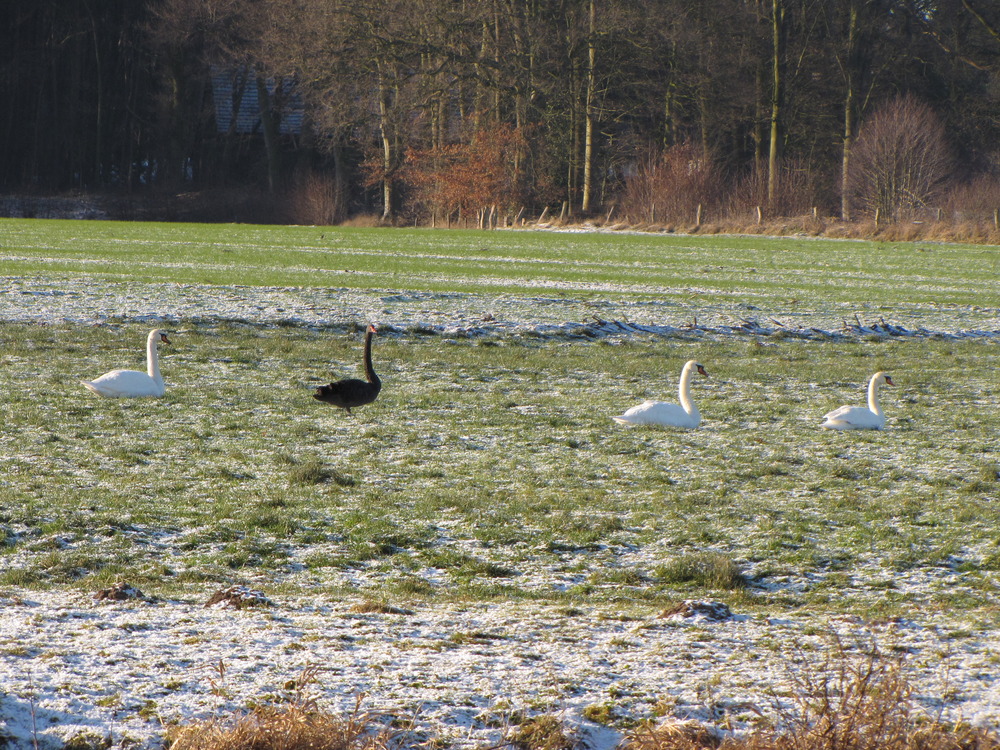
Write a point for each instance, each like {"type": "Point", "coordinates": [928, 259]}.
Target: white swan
{"type": "Point", "coordinates": [132, 382]}
{"type": "Point", "coordinates": [858, 417]}
{"type": "Point", "coordinates": [666, 414]}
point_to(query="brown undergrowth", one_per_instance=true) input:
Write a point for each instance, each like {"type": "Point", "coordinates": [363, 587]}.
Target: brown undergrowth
{"type": "Point", "coordinates": [298, 725]}
{"type": "Point", "coordinates": [855, 698]}
{"type": "Point", "coordinates": [983, 232]}
{"type": "Point", "coordinates": [851, 700]}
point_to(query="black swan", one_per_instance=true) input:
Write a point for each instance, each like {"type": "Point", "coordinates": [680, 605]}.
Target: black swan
{"type": "Point", "coordinates": [351, 392]}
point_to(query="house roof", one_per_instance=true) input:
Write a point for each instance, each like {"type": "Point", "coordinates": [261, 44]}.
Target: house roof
{"type": "Point", "coordinates": [234, 94]}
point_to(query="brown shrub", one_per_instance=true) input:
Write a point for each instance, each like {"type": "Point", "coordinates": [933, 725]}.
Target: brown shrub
{"type": "Point", "coordinates": [794, 194]}
{"type": "Point", "coordinates": [317, 200]}
{"type": "Point", "coordinates": [853, 699]}
{"type": "Point", "coordinates": [469, 178]}
{"type": "Point", "coordinates": [974, 202]}
{"type": "Point", "coordinates": [669, 186]}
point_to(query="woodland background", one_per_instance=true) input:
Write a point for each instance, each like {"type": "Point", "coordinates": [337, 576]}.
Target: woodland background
{"type": "Point", "coordinates": [438, 111]}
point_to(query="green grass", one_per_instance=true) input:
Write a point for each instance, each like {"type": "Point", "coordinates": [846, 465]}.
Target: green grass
{"type": "Point", "coordinates": [489, 468]}
{"type": "Point", "coordinates": [751, 270]}
{"type": "Point", "coordinates": [499, 467]}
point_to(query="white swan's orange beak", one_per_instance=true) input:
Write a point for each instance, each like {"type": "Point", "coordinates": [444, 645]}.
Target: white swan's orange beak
{"type": "Point", "coordinates": [164, 339]}
{"type": "Point", "coordinates": [701, 371]}
{"type": "Point", "coordinates": [888, 380]}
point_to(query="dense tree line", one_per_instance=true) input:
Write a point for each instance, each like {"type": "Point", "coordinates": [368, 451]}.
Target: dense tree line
{"type": "Point", "coordinates": [448, 108]}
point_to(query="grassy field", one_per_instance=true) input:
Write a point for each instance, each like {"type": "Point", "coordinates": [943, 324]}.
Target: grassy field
{"type": "Point", "coordinates": [752, 269]}
{"type": "Point", "coordinates": [489, 468]}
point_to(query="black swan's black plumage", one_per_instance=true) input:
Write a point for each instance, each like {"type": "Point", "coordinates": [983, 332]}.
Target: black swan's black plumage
{"type": "Point", "coordinates": [351, 392]}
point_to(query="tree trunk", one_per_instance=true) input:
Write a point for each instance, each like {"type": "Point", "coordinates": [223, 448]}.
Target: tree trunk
{"type": "Point", "coordinates": [572, 163]}
{"type": "Point", "coordinates": [849, 109]}
{"type": "Point", "coordinates": [479, 104]}
{"type": "Point", "coordinates": [760, 109]}
{"type": "Point", "coordinates": [99, 106]}
{"type": "Point", "coordinates": [339, 185]}
{"type": "Point", "coordinates": [496, 59]}
{"type": "Point", "coordinates": [269, 121]}
{"type": "Point", "coordinates": [777, 19]}
{"type": "Point", "coordinates": [588, 138]}
{"type": "Point", "coordinates": [387, 151]}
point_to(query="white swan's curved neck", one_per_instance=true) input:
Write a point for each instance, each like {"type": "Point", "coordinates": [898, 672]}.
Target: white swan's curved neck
{"type": "Point", "coordinates": [873, 396]}
{"type": "Point", "coordinates": [684, 392]}
{"type": "Point", "coordinates": [152, 358]}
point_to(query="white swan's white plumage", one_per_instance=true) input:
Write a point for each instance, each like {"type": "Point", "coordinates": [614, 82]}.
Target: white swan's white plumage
{"type": "Point", "coordinates": [685, 415]}
{"type": "Point", "coordinates": [125, 383]}
{"type": "Point", "coordinates": [859, 417]}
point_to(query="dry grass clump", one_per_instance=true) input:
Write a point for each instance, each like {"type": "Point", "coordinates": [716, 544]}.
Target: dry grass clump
{"type": "Point", "coordinates": [706, 569]}
{"type": "Point", "coordinates": [847, 702]}
{"type": "Point", "coordinates": [673, 735]}
{"type": "Point", "coordinates": [379, 607]}
{"type": "Point", "coordinates": [298, 725]}
{"type": "Point", "coordinates": [541, 733]}
{"type": "Point", "coordinates": [290, 727]}
{"type": "Point", "coordinates": [935, 737]}
{"type": "Point", "coordinates": [314, 471]}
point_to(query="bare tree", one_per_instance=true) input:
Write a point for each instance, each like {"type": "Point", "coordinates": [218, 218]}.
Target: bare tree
{"type": "Point", "coordinates": [902, 160]}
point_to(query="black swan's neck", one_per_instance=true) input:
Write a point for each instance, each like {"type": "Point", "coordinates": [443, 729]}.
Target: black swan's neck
{"type": "Point", "coordinates": [369, 370]}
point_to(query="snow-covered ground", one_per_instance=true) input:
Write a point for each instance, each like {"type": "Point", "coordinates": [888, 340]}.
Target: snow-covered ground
{"type": "Point", "coordinates": [72, 665]}
{"type": "Point", "coordinates": [627, 309]}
